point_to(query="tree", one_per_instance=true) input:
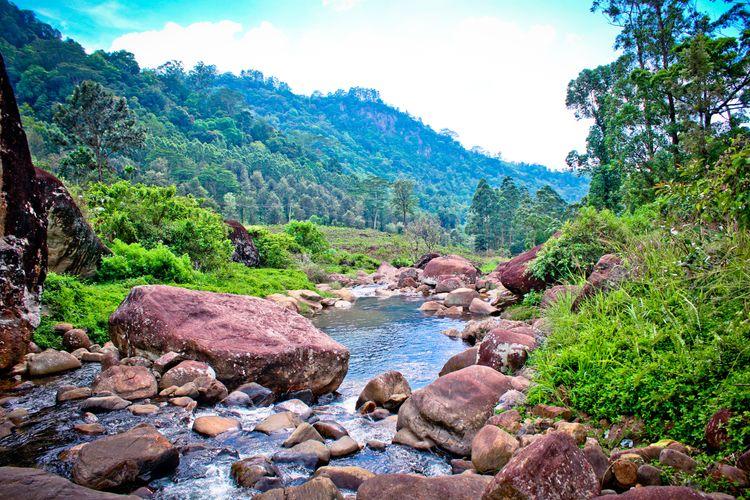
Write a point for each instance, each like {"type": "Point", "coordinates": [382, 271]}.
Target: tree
{"type": "Point", "coordinates": [97, 119]}
{"type": "Point", "coordinates": [403, 199]}
{"type": "Point", "coordinates": [425, 234]}
{"type": "Point", "coordinates": [483, 217]}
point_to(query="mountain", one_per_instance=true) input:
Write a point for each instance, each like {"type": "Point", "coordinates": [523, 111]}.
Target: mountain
{"type": "Point", "coordinates": [259, 151]}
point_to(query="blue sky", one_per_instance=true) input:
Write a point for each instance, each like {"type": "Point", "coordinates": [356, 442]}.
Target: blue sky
{"type": "Point", "coordinates": [495, 71]}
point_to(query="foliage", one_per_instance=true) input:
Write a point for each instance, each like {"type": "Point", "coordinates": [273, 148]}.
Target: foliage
{"type": "Point", "coordinates": [151, 216]}
{"type": "Point", "coordinates": [580, 244]}
{"type": "Point", "coordinates": [307, 235]}
{"type": "Point", "coordinates": [670, 346]}
{"type": "Point", "coordinates": [132, 261]}
{"type": "Point", "coordinates": [403, 199]}
{"type": "Point", "coordinates": [402, 262]}
{"type": "Point", "coordinates": [275, 249]}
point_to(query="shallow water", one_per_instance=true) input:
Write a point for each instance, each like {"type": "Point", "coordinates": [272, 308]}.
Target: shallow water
{"type": "Point", "coordinates": [381, 334]}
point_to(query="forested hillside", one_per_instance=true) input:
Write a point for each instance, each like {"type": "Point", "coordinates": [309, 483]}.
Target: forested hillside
{"type": "Point", "coordinates": [256, 150]}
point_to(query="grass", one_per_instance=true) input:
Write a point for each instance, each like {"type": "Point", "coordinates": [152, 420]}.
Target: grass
{"type": "Point", "coordinates": [671, 346]}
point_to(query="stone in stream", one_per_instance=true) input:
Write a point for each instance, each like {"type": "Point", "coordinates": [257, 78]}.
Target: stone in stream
{"type": "Point", "coordinates": [303, 432]}
{"type": "Point", "coordinates": [318, 488]}
{"type": "Point", "coordinates": [347, 477]}
{"type": "Point", "coordinates": [184, 372]}
{"type": "Point", "coordinates": [249, 471]}
{"type": "Point", "coordinates": [550, 467]}
{"type": "Point", "coordinates": [278, 422]}
{"type": "Point", "coordinates": [36, 484]}
{"type": "Point", "coordinates": [450, 265]}
{"type": "Point", "coordinates": [147, 409]}
{"type": "Point", "coordinates": [311, 454]}
{"type": "Point", "coordinates": [111, 462]}
{"type": "Point", "coordinates": [388, 390]}
{"type": "Point", "coordinates": [330, 429]}
{"type": "Point", "coordinates": [99, 404]}
{"type": "Point", "coordinates": [412, 486]}
{"type": "Point", "coordinates": [213, 425]}
{"type": "Point", "coordinates": [242, 338]}
{"type": "Point", "coordinates": [295, 406]}
{"type": "Point", "coordinates": [460, 360]}
{"type": "Point", "coordinates": [481, 308]}
{"type": "Point", "coordinates": [128, 382]}
{"type": "Point", "coordinates": [259, 395]}
{"type": "Point", "coordinates": [91, 429]}
{"type": "Point", "coordinates": [460, 297]}
{"type": "Point", "coordinates": [50, 362]}
{"type": "Point", "coordinates": [451, 410]}
{"type": "Point", "coordinates": [448, 284]}
{"type": "Point", "coordinates": [343, 446]}
{"type": "Point", "coordinates": [69, 393]}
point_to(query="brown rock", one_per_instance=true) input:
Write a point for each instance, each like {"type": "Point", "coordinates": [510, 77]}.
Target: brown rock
{"type": "Point", "coordinates": [247, 472]}
{"type": "Point", "coordinates": [460, 360]}
{"type": "Point", "coordinates": [596, 457]}
{"type": "Point", "coordinates": [677, 459]}
{"type": "Point", "coordinates": [184, 372]}
{"type": "Point", "coordinates": [50, 362]}
{"type": "Point", "coordinates": [450, 265]}
{"type": "Point", "coordinates": [515, 277]}
{"type": "Point", "coordinates": [348, 477]}
{"type": "Point", "coordinates": [573, 429]}
{"type": "Point", "coordinates": [491, 449]}
{"type": "Point", "coordinates": [547, 411]}
{"type": "Point", "coordinates": [509, 420]}
{"type": "Point", "coordinates": [716, 429]}
{"type": "Point", "coordinates": [242, 338]}
{"type": "Point", "coordinates": [452, 409]}
{"type": "Point", "coordinates": [503, 350]}
{"type": "Point", "coordinates": [213, 425]}
{"type": "Point", "coordinates": [75, 338]}
{"type": "Point", "coordinates": [143, 409]}
{"type": "Point", "coordinates": [448, 283]}
{"type": "Point", "coordinates": [553, 294]}
{"type": "Point", "coordinates": [167, 361]}
{"type": "Point", "coordinates": [481, 308]}
{"type": "Point", "coordinates": [731, 474]}
{"type": "Point", "coordinates": [622, 474]}
{"type": "Point", "coordinates": [244, 248]}
{"type": "Point", "coordinates": [414, 487]}
{"type": "Point", "coordinates": [69, 394]}
{"type": "Point", "coordinates": [318, 488]}
{"type": "Point", "coordinates": [122, 459]}
{"type": "Point", "coordinates": [389, 390]}
{"type": "Point", "coordinates": [104, 403]}
{"type": "Point", "coordinates": [302, 433]}
{"type": "Point", "coordinates": [607, 275]}
{"type": "Point", "coordinates": [425, 259]}
{"type": "Point", "coordinates": [744, 461]}
{"type": "Point", "coordinates": [431, 306]}
{"type": "Point", "coordinates": [278, 422]}
{"type": "Point", "coordinates": [330, 429]}
{"type": "Point", "coordinates": [648, 475]}
{"type": "Point", "coordinates": [36, 484]}
{"type": "Point", "coordinates": [90, 429]}
{"type": "Point", "coordinates": [461, 297]}
{"type": "Point", "coordinates": [657, 493]}
{"type": "Point", "coordinates": [343, 446]}
{"type": "Point", "coordinates": [407, 438]}
{"type": "Point", "coordinates": [128, 382]}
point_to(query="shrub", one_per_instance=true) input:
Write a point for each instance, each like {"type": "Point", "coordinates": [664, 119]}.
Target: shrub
{"type": "Point", "coordinates": [402, 262]}
{"type": "Point", "coordinates": [131, 261]}
{"type": "Point", "coordinates": [307, 235]}
{"type": "Point", "coordinates": [275, 249]}
{"type": "Point", "coordinates": [580, 244]}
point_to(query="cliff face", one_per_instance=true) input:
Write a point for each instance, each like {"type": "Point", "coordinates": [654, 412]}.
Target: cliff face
{"type": "Point", "coordinates": [23, 233]}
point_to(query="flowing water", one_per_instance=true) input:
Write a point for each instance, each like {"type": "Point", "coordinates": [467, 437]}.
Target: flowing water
{"type": "Point", "coordinates": [381, 334]}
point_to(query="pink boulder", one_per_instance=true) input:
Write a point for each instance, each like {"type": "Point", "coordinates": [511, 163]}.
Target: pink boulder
{"type": "Point", "coordinates": [515, 276]}
{"type": "Point", "coordinates": [450, 265]}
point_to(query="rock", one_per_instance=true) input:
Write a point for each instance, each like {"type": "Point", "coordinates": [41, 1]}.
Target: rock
{"type": "Point", "coordinates": [425, 259]}
{"type": "Point", "coordinates": [415, 487]}
{"type": "Point", "coordinates": [302, 433]}
{"type": "Point", "coordinates": [546, 411]}
{"type": "Point", "coordinates": [596, 457]}
{"type": "Point", "coordinates": [459, 466]}
{"type": "Point", "coordinates": [677, 459]}
{"type": "Point", "coordinates": [573, 429]}
{"type": "Point", "coordinates": [36, 484]}
{"type": "Point", "coordinates": [408, 277]}
{"type": "Point", "coordinates": [626, 427]}
{"type": "Point", "coordinates": [450, 265]}
{"type": "Point", "coordinates": [244, 248]}
{"type": "Point", "coordinates": [657, 493]}
{"type": "Point", "coordinates": [210, 390]}
{"type": "Point", "coordinates": [50, 362]}
{"type": "Point", "coordinates": [278, 422]}
{"type": "Point", "coordinates": [318, 488]}
{"type": "Point", "coordinates": [61, 328]}
{"type": "Point", "coordinates": [504, 350]}
{"type": "Point", "coordinates": [388, 390]}
{"type": "Point", "coordinates": [648, 475]}
{"type": "Point", "coordinates": [75, 338]}
{"type": "Point", "coordinates": [348, 477]}
{"type": "Point", "coordinates": [72, 393]}
{"type": "Point", "coordinates": [128, 382]}
{"type": "Point", "coordinates": [148, 409]}
{"type": "Point", "coordinates": [515, 277]}
{"type": "Point", "coordinates": [509, 420]}
{"type": "Point", "coordinates": [330, 429]}
{"type": "Point", "coordinates": [167, 361]}
{"type": "Point", "coordinates": [476, 330]}
{"type": "Point", "coordinates": [249, 471]}
{"type": "Point", "coordinates": [407, 438]}
{"type": "Point", "coordinates": [242, 338]}
{"type": "Point", "coordinates": [728, 473]}
{"type": "Point", "coordinates": [295, 406]}
{"type": "Point", "coordinates": [213, 425]}
{"type": "Point", "coordinates": [90, 429]}
{"type": "Point", "coordinates": [491, 449]}
{"type": "Point", "coordinates": [288, 303]}
{"type": "Point", "coordinates": [557, 292]}
{"type": "Point", "coordinates": [141, 453]}
{"type": "Point", "coordinates": [345, 294]}
{"type": "Point", "coordinates": [716, 429]}
{"type": "Point", "coordinates": [342, 304]}
{"type": "Point", "coordinates": [460, 360]}
{"type": "Point", "coordinates": [431, 306]}
{"type": "Point", "coordinates": [315, 448]}
{"type": "Point", "coordinates": [607, 275]}
{"type": "Point", "coordinates": [92, 357]}
{"type": "Point", "coordinates": [379, 414]}
{"type": "Point", "coordinates": [510, 399]}
{"type": "Point", "coordinates": [452, 312]}
{"type": "Point", "coordinates": [376, 445]}
{"type": "Point", "coordinates": [622, 474]}
{"type": "Point", "coordinates": [259, 395]}
{"type": "Point", "coordinates": [447, 284]}
{"type": "Point", "coordinates": [104, 403]}
{"type": "Point", "coordinates": [452, 409]}
{"type": "Point", "coordinates": [461, 297]}
{"type": "Point", "coordinates": [343, 446]}
{"type": "Point", "coordinates": [386, 273]}
{"type": "Point", "coordinates": [550, 467]}
{"type": "Point", "coordinates": [481, 308]}
{"type": "Point", "coordinates": [744, 461]}
{"type": "Point", "coordinates": [237, 398]}
{"type": "Point", "coordinates": [184, 372]}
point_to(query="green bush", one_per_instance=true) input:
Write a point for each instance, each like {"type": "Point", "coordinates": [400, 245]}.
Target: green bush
{"type": "Point", "coordinates": [276, 250]}
{"type": "Point", "coordinates": [307, 235]}
{"type": "Point", "coordinates": [670, 346]}
{"type": "Point", "coordinates": [151, 215]}
{"type": "Point", "coordinates": [580, 244]}
{"type": "Point", "coordinates": [132, 260]}
{"type": "Point", "coordinates": [402, 262]}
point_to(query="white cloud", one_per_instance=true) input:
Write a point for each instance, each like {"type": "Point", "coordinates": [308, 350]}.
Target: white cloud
{"type": "Point", "coordinates": [496, 83]}
{"type": "Point", "coordinates": [340, 5]}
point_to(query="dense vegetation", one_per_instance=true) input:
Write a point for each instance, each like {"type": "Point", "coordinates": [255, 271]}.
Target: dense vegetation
{"type": "Point", "coordinates": [246, 144]}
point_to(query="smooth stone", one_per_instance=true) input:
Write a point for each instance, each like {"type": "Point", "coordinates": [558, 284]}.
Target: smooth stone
{"type": "Point", "coordinates": [344, 446]}
{"type": "Point", "coordinates": [213, 425]}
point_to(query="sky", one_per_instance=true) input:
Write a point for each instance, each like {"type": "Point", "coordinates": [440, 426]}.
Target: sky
{"type": "Point", "coordinates": [495, 72]}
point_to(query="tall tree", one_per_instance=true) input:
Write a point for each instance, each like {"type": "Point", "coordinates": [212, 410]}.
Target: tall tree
{"type": "Point", "coordinates": [402, 198]}
{"type": "Point", "coordinates": [99, 120]}
{"type": "Point", "coordinates": [483, 217]}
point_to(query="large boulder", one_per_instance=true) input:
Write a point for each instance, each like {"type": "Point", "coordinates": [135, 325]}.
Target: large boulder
{"type": "Point", "coordinates": [460, 297]}
{"type": "Point", "coordinates": [450, 265]}
{"type": "Point", "coordinates": [388, 390]}
{"type": "Point", "coordinates": [244, 248]}
{"type": "Point", "coordinates": [50, 362]}
{"type": "Point", "coordinates": [244, 339]}
{"type": "Point", "coordinates": [111, 462]}
{"type": "Point", "coordinates": [451, 410]}
{"type": "Point", "coordinates": [608, 273]}
{"type": "Point", "coordinates": [515, 276]}
{"type": "Point", "coordinates": [422, 262]}
{"type": "Point", "coordinates": [551, 467]}
{"type": "Point", "coordinates": [505, 350]}
{"type": "Point", "coordinates": [23, 233]}
{"type": "Point", "coordinates": [36, 484]}
{"type": "Point", "coordinates": [414, 487]}
{"type": "Point", "coordinates": [73, 246]}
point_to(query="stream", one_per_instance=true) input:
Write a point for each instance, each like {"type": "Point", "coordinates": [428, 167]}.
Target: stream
{"type": "Point", "coordinates": [381, 333]}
